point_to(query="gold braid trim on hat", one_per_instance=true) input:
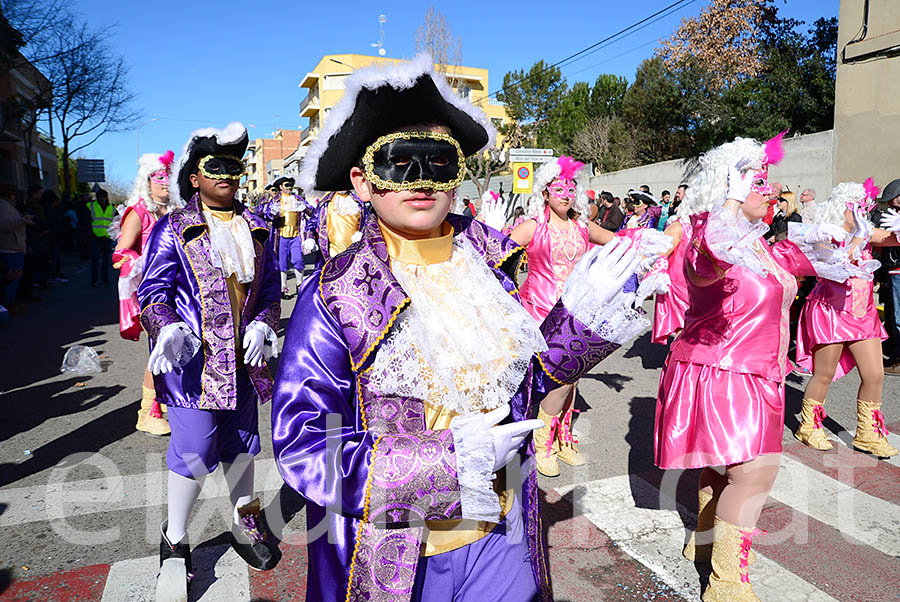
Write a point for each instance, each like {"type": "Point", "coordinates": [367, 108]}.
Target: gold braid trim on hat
{"type": "Point", "coordinates": [369, 163]}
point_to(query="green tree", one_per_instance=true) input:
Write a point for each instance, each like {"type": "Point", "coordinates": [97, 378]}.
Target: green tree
{"type": "Point", "coordinates": [531, 98]}
{"type": "Point", "coordinates": [607, 95]}
{"type": "Point", "coordinates": [570, 116]}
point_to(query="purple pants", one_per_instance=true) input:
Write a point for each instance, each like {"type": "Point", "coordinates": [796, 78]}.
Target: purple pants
{"type": "Point", "coordinates": [490, 570]}
{"type": "Point", "coordinates": [290, 254]}
{"type": "Point", "coordinates": [201, 439]}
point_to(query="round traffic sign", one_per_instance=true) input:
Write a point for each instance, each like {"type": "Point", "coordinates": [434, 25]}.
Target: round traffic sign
{"type": "Point", "coordinates": [523, 173]}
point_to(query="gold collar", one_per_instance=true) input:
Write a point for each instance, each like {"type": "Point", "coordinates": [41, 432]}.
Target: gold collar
{"type": "Point", "coordinates": [425, 251]}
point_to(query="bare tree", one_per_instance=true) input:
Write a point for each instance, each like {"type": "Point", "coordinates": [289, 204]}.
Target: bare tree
{"type": "Point", "coordinates": [481, 167]}
{"type": "Point", "coordinates": [434, 37]}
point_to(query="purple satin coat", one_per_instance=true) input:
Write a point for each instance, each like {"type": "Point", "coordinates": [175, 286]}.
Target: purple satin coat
{"type": "Point", "coordinates": [180, 284]}
{"type": "Point", "coordinates": [369, 469]}
{"type": "Point", "coordinates": [317, 226]}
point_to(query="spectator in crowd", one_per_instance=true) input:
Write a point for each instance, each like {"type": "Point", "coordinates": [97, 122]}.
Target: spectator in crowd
{"type": "Point", "coordinates": [807, 202]}
{"type": "Point", "coordinates": [56, 233]}
{"type": "Point", "coordinates": [610, 217]}
{"type": "Point", "coordinates": [889, 276]}
{"type": "Point", "coordinates": [787, 212]}
{"type": "Point", "coordinates": [37, 256]}
{"type": "Point", "coordinates": [84, 234]}
{"type": "Point", "coordinates": [645, 189]}
{"type": "Point", "coordinates": [593, 210]}
{"type": "Point", "coordinates": [665, 204]}
{"type": "Point", "coordinates": [102, 214]}
{"type": "Point", "coordinates": [12, 247]}
{"type": "Point", "coordinates": [71, 218]}
{"type": "Point", "coordinates": [679, 196]}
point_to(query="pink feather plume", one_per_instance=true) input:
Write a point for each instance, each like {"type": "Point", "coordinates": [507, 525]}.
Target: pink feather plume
{"type": "Point", "coordinates": [166, 158]}
{"type": "Point", "coordinates": [775, 150]}
{"type": "Point", "coordinates": [494, 195]}
{"type": "Point", "coordinates": [872, 190]}
{"type": "Point", "coordinates": [568, 167]}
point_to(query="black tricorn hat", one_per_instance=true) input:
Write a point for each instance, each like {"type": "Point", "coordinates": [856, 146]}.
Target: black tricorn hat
{"type": "Point", "coordinates": [231, 140]}
{"type": "Point", "coordinates": [890, 192]}
{"type": "Point", "coordinates": [383, 99]}
{"type": "Point", "coordinates": [283, 180]}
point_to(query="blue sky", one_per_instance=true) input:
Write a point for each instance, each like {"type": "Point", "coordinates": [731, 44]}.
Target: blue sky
{"type": "Point", "coordinates": [199, 64]}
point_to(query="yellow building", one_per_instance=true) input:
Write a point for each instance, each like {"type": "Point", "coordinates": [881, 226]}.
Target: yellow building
{"type": "Point", "coordinates": [325, 86]}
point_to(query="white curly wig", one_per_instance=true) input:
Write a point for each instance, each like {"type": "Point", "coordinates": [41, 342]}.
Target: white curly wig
{"type": "Point", "coordinates": [543, 176]}
{"type": "Point", "coordinates": [709, 184]}
{"type": "Point", "coordinates": [140, 192]}
{"type": "Point", "coordinates": [832, 210]}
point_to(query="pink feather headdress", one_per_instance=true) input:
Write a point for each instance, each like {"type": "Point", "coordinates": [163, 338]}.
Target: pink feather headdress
{"type": "Point", "coordinates": [774, 150]}
{"type": "Point", "coordinates": [166, 159]}
{"type": "Point", "coordinates": [867, 203]}
{"type": "Point", "coordinates": [568, 167]}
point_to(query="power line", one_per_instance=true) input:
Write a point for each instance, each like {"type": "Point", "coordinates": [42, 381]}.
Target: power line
{"type": "Point", "coordinates": [670, 7]}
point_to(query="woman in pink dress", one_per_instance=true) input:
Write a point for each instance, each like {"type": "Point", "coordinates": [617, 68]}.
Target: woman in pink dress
{"type": "Point", "coordinates": [721, 394]}
{"type": "Point", "coordinates": [670, 307]}
{"type": "Point", "coordinates": [148, 202]}
{"type": "Point", "coordinates": [555, 236]}
{"type": "Point", "coordinates": [839, 327]}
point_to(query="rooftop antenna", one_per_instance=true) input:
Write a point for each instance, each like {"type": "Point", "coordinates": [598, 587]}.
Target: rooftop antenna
{"type": "Point", "coordinates": [382, 19]}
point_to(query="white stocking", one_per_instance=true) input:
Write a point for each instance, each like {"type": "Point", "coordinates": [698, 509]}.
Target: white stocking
{"type": "Point", "coordinates": [183, 494]}
{"type": "Point", "coordinates": [239, 476]}
{"type": "Point", "coordinates": [298, 274]}
{"type": "Point", "coordinates": [283, 279]}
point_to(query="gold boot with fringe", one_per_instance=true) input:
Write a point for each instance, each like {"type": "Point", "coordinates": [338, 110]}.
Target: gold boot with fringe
{"type": "Point", "coordinates": [730, 580]}
{"type": "Point", "coordinates": [568, 451]}
{"type": "Point", "coordinates": [546, 444]}
{"type": "Point", "coordinates": [811, 433]}
{"type": "Point", "coordinates": [150, 419]}
{"type": "Point", "coordinates": [871, 434]}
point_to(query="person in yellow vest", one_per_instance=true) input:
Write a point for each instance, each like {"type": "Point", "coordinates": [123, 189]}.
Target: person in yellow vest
{"type": "Point", "coordinates": [102, 214]}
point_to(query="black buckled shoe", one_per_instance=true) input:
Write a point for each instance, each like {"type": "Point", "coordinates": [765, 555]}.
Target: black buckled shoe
{"type": "Point", "coordinates": [174, 568]}
{"type": "Point", "coordinates": [252, 540]}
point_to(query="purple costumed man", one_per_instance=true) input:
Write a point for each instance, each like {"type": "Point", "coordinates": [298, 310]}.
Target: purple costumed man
{"type": "Point", "coordinates": [288, 213]}
{"type": "Point", "coordinates": [406, 393]}
{"type": "Point", "coordinates": [210, 305]}
{"type": "Point", "coordinates": [337, 221]}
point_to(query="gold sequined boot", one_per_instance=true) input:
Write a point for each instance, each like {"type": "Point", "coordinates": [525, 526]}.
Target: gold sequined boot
{"type": "Point", "coordinates": [706, 515]}
{"type": "Point", "coordinates": [811, 432]}
{"type": "Point", "coordinates": [546, 444]}
{"type": "Point", "coordinates": [730, 581]}
{"type": "Point", "coordinates": [871, 434]}
{"type": "Point", "coordinates": [150, 419]}
{"type": "Point", "coordinates": [568, 451]}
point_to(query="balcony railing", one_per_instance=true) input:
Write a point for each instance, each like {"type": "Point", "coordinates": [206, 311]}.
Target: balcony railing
{"type": "Point", "coordinates": [309, 106]}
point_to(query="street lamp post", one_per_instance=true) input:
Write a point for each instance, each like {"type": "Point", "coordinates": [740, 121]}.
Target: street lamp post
{"type": "Point", "coordinates": [137, 136]}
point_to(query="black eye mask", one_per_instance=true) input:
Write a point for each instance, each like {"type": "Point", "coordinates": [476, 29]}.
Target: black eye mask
{"type": "Point", "coordinates": [221, 167]}
{"type": "Point", "coordinates": [414, 161]}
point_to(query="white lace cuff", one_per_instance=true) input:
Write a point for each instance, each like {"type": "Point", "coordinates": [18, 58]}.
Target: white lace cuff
{"type": "Point", "coordinates": [345, 205]}
{"type": "Point", "coordinates": [270, 345]}
{"type": "Point", "coordinates": [731, 237]}
{"type": "Point", "coordinates": [191, 344]}
{"type": "Point", "coordinates": [309, 245]}
{"type": "Point", "coordinates": [128, 285]}
{"type": "Point", "coordinates": [474, 469]}
{"type": "Point", "coordinates": [617, 321]}
{"type": "Point", "coordinates": [829, 260]}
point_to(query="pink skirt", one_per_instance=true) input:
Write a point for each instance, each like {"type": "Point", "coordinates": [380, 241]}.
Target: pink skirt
{"type": "Point", "coordinates": [668, 315]}
{"type": "Point", "coordinates": [129, 318]}
{"type": "Point", "coordinates": [707, 416]}
{"type": "Point", "coordinates": [821, 324]}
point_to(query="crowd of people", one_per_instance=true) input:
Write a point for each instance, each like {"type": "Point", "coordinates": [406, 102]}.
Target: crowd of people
{"type": "Point", "coordinates": [427, 377]}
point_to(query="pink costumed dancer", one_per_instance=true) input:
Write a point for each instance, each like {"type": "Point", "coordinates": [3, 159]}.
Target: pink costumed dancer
{"type": "Point", "coordinates": [670, 306]}
{"type": "Point", "coordinates": [721, 394]}
{"type": "Point", "coordinates": [839, 327]}
{"type": "Point", "coordinates": [148, 202]}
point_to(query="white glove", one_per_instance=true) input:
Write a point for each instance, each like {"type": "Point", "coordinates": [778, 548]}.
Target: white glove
{"type": "Point", "coordinates": [739, 184]}
{"type": "Point", "coordinates": [600, 275]}
{"type": "Point", "coordinates": [164, 356]}
{"type": "Point", "coordinates": [309, 245]}
{"type": "Point", "coordinates": [824, 233]}
{"type": "Point", "coordinates": [254, 342]}
{"type": "Point", "coordinates": [493, 213]}
{"type": "Point", "coordinates": [861, 226]}
{"type": "Point", "coordinates": [507, 438]}
{"type": "Point", "coordinates": [890, 220]}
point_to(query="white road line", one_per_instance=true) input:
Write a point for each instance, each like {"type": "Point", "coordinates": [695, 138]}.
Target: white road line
{"type": "Point", "coordinates": [61, 498]}
{"type": "Point", "coordinates": [845, 438]}
{"type": "Point", "coordinates": [220, 575]}
{"type": "Point", "coordinates": [626, 509]}
{"type": "Point", "coordinates": [872, 520]}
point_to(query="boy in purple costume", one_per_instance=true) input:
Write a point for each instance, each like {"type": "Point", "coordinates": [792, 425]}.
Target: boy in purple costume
{"type": "Point", "coordinates": [390, 407]}
{"type": "Point", "coordinates": [210, 305]}
{"type": "Point", "coordinates": [288, 213]}
{"type": "Point", "coordinates": [337, 221]}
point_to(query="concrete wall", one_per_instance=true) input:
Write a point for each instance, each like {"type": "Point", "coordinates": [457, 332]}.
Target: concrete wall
{"type": "Point", "coordinates": [867, 93]}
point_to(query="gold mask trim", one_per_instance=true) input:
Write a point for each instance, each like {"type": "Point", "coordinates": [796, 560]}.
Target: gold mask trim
{"type": "Point", "coordinates": [369, 163]}
{"type": "Point", "coordinates": [201, 167]}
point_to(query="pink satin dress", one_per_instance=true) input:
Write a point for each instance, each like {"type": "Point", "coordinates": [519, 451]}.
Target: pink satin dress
{"type": "Point", "coordinates": [550, 261]}
{"type": "Point", "coordinates": [721, 392]}
{"type": "Point", "coordinates": [838, 313]}
{"type": "Point", "coordinates": [130, 308]}
{"type": "Point", "coordinates": [668, 316]}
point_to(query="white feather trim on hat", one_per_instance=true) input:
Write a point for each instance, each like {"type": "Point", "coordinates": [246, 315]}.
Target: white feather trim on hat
{"type": "Point", "coordinates": [230, 134]}
{"type": "Point", "coordinates": [400, 76]}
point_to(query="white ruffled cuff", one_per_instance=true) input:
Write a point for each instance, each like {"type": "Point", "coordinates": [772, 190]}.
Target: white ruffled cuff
{"type": "Point", "coordinates": [270, 345]}
{"type": "Point", "coordinates": [474, 447]}
{"type": "Point", "coordinates": [731, 237]}
{"type": "Point", "coordinates": [309, 245]}
{"type": "Point", "coordinates": [191, 344]}
{"type": "Point", "coordinates": [829, 260]}
{"type": "Point", "coordinates": [617, 321]}
{"type": "Point", "coordinates": [128, 285]}
{"type": "Point", "coordinates": [345, 205]}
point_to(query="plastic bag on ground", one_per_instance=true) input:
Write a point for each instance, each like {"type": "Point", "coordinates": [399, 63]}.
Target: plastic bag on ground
{"type": "Point", "coordinates": [80, 359]}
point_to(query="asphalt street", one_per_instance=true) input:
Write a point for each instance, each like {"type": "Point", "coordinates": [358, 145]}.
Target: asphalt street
{"type": "Point", "coordinates": [82, 494]}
